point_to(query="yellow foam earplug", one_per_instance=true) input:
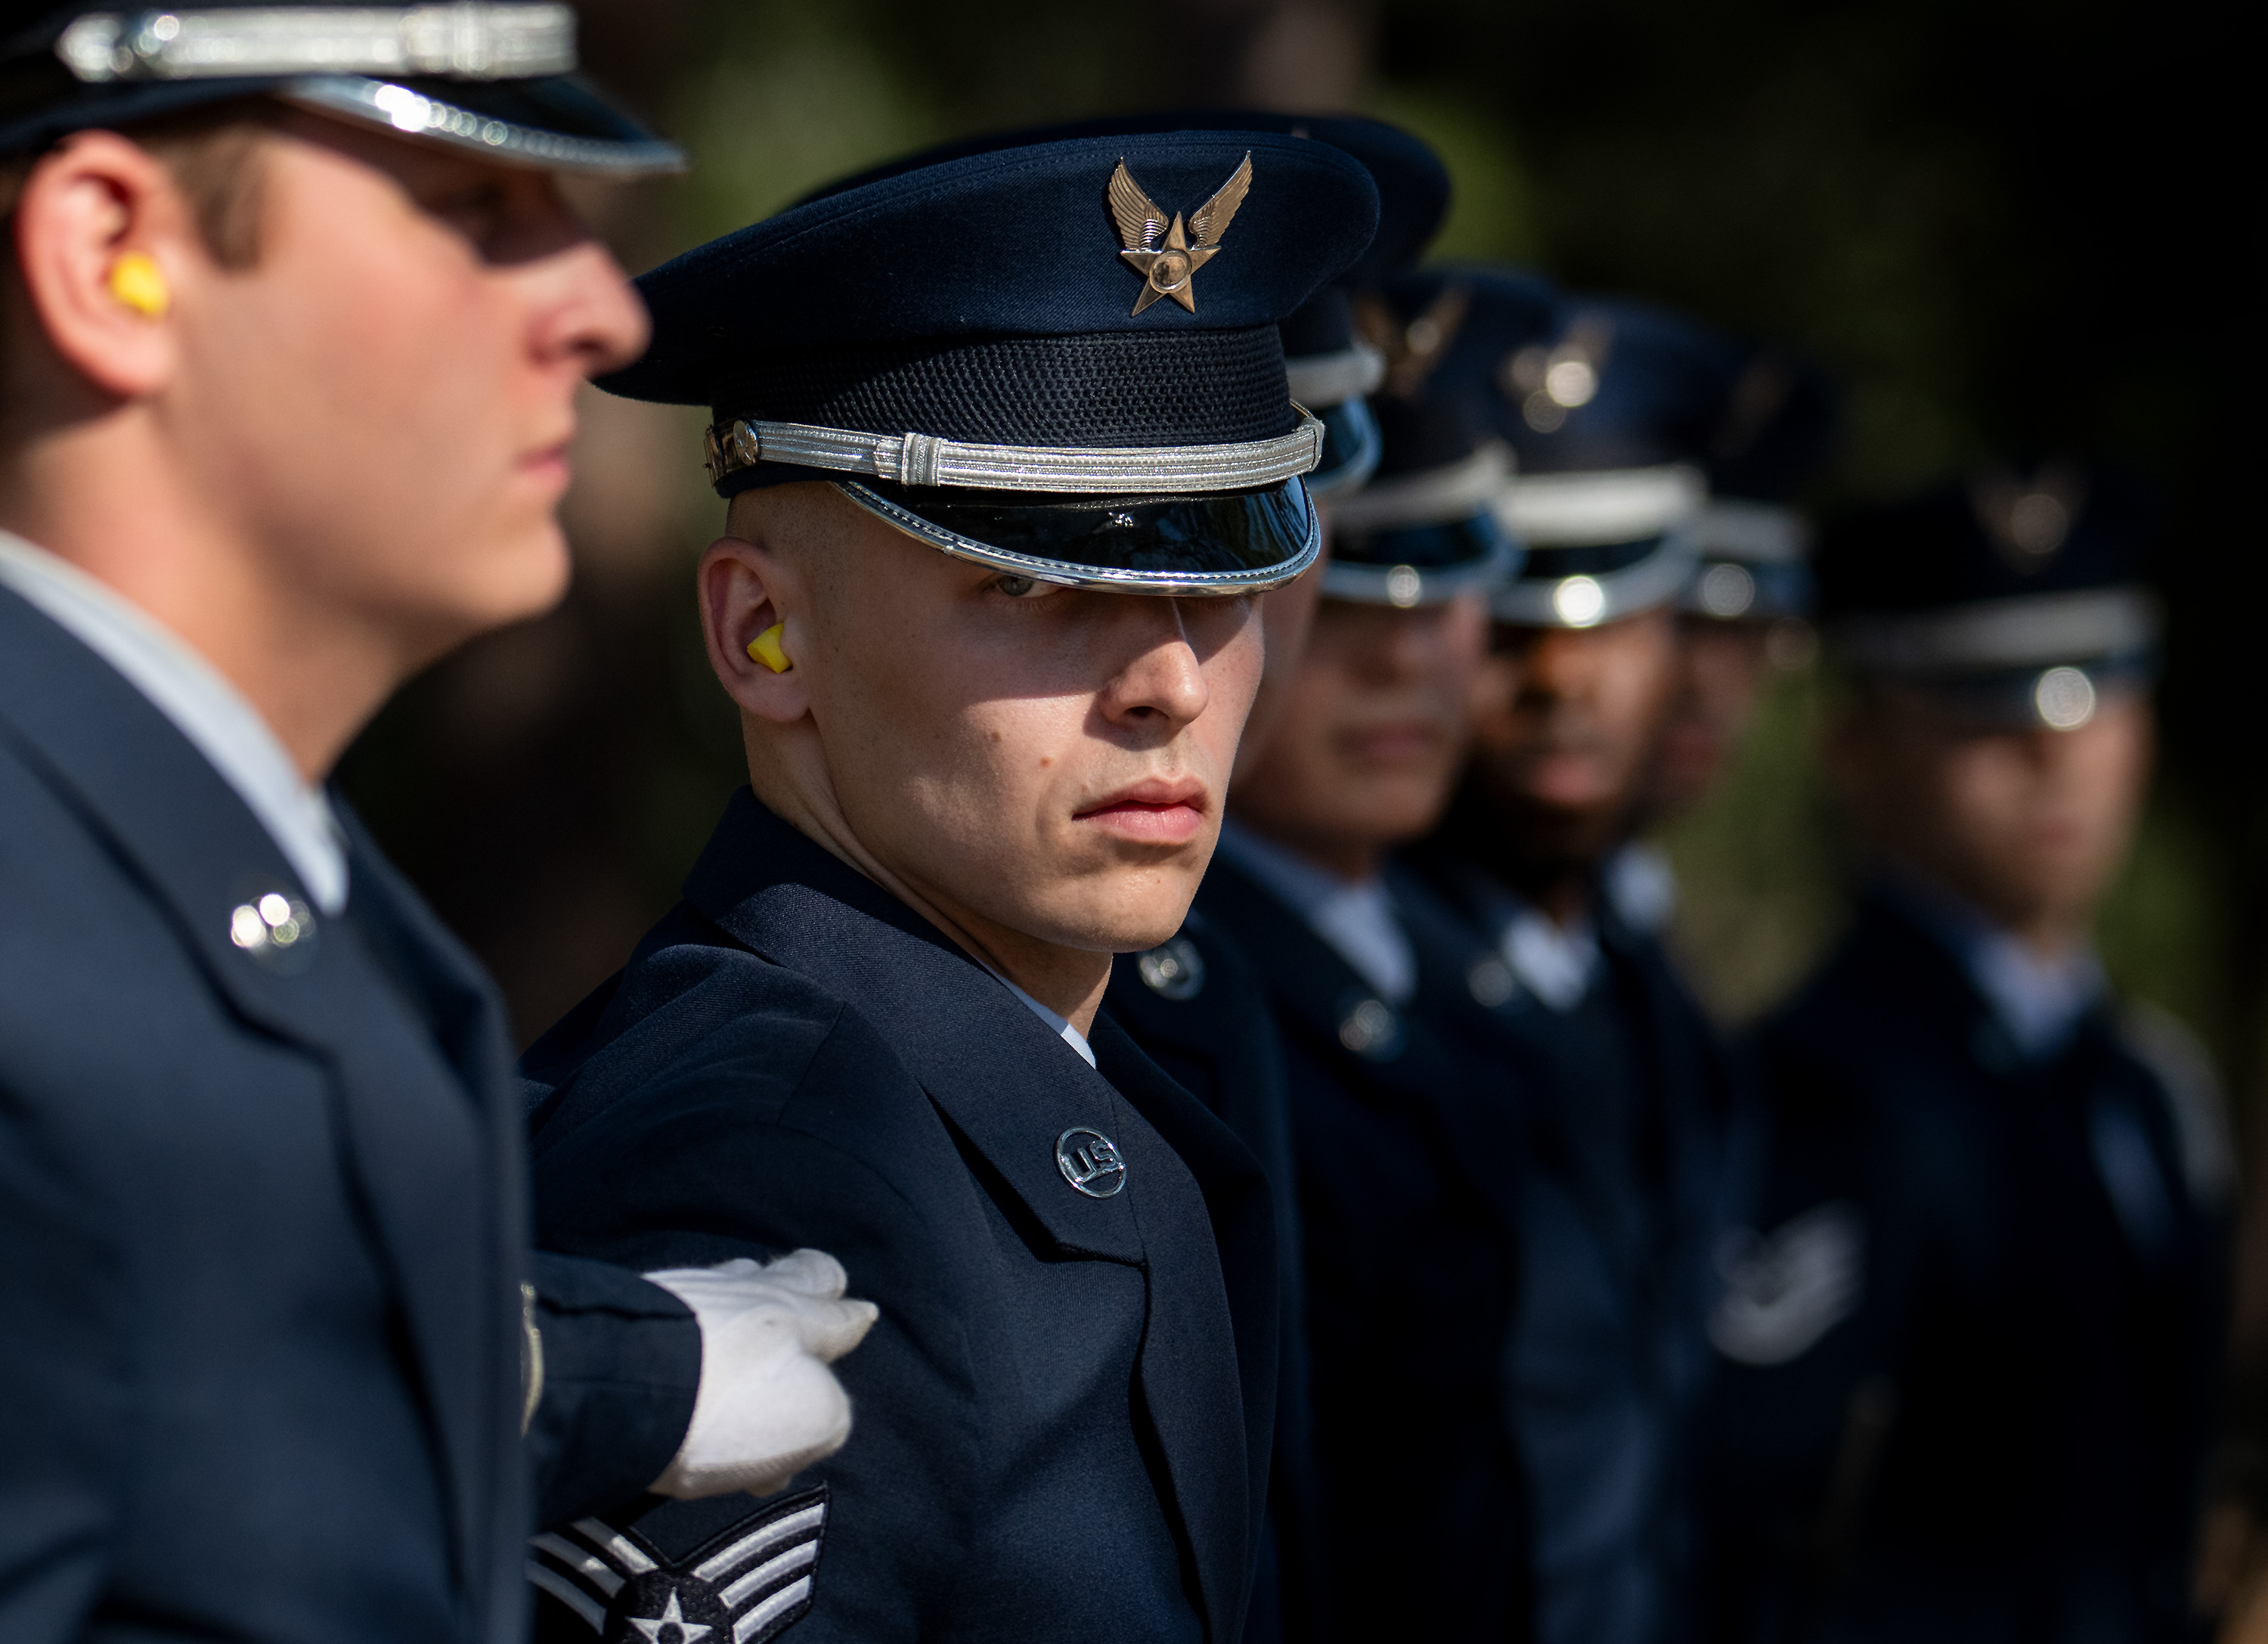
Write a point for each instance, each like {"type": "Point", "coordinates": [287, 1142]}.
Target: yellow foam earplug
{"type": "Point", "coordinates": [137, 281]}
{"type": "Point", "coordinates": [765, 648]}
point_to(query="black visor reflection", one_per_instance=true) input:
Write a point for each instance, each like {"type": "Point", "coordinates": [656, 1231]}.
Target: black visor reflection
{"type": "Point", "coordinates": [1451, 545]}
{"type": "Point", "coordinates": [1131, 540]}
{"type": "Point", "coordinates": [1351, 446]}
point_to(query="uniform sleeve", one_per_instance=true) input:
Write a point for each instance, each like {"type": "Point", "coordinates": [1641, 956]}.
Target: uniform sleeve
{"type": "Point", "coordinates": [614, 1364]}
{"type": "Point", "coordinates": [62, 1384]}
{"type": "Point", "coordinates": [701, 1168]}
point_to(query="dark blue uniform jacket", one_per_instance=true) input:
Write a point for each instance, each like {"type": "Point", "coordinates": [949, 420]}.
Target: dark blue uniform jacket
{"type": "Point", "coordinates": [1635, 1116]}
{"type": "Point", "coordinates": [1197, 1009]}
{"type": "Point", "coordinates": [1405, 1150]}
{"type": "Point", "coordinates": [1967, 1396]}
{"type": "Point", "coordinates": [260, 1234]}
{"type": "Point", "coordinates": [1063, 1417]}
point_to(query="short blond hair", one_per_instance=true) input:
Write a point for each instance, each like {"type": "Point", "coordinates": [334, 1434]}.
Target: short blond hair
{"type": "Point", "coordinates": [213, 154]}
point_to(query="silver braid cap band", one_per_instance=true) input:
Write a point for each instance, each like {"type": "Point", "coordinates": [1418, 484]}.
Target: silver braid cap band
{"type": "Point", "coordinates": [929, 460]}
{"type": "Point", "coordinates": [465, 42]}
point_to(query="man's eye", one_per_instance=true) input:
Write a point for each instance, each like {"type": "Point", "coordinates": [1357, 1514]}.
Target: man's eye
{"type": "Point", "coordinates": [1015, 587]}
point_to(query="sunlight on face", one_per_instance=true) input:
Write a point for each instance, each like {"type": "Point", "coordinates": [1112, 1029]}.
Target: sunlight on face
{"type": "Point", "coordinates": [386, 394]}
{"type": "Point", "coordinates": [1050, 760]}
{"type": "Point", "coordinates": [1371, 731]}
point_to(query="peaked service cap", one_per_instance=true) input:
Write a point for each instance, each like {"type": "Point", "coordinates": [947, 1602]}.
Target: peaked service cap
{"type": "Point", "coordinates": [1775, 427]}
{"type": "Point", "coordinates": [2016, 594]}
{"type": "Point", "coordinates": [1604, 404]}
{"type": "Point", "coordinates": [494, 79]}
{"type": "Point", "coordinates": [1428, 526]}
{"type": "Point", "coordinates": [1330, 366]}
{"type": "Point", "coordinates": [1058, 358]}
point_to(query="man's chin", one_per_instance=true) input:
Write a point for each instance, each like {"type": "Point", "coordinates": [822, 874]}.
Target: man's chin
{"type": "Point", "coordinates": [1127, 919]}
{"type": "Point", "coordinates": [518, 579]}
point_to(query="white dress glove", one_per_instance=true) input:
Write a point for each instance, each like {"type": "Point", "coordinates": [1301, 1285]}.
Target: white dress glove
{"type": "Point", "coordinates": [768, 1404]}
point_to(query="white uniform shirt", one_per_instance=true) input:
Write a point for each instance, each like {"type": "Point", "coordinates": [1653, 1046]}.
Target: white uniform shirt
{"type": "Point", "coordinates": [1357, 921]}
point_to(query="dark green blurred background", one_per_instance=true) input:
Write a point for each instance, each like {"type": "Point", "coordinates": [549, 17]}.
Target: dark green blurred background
{"type": "Point", "coordinates": [2010, 227]}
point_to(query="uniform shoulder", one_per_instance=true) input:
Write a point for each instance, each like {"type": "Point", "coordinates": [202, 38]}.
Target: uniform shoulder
{"type": "Point", "coordinates": [705, 1045]}
{"type": "Point", "coordinates": [2177, 1059]}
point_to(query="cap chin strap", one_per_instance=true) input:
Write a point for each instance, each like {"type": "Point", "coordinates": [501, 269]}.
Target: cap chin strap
{"type": "Point", "coordinates": [931, 460]}
{"type": "Point", "coordinates": [464, 42]}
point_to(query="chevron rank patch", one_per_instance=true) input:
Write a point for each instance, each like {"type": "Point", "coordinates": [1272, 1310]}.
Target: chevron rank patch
{"type": "Point", "coordinates": [744, 1585]}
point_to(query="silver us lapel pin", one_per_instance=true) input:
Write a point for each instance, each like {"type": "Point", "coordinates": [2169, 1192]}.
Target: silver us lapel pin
{"type": "Point", "coordinates": [1089, 1161]}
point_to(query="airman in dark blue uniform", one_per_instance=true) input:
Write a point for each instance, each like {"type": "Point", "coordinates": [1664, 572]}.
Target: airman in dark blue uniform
{"type": "Point", "coordinates": [1746, 608]}
{"type": "Point", "coordinates": [1972, 1347]}
{"type": "Point", "coordinates": [1195, 1005]}
{"type": "Point", "coordinates": [1632, 1103]}
{"type": "Point", "coordinates": [1402, 1133]}
{"type": "Point", "coordinates": [274, 1336]}
{"type": "Point", "coordinates": [1011, 456]}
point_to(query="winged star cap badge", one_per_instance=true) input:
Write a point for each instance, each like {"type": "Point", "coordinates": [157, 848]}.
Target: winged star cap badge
{"type": "Point", "coordinates": [1162, 252]}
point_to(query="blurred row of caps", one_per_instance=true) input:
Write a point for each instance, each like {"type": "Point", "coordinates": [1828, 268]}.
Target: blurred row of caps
{"type": "Point", "coordinates": [1575, 459]}
{"type": "Point", "coordinates": [949, 340]}
{"type": "Point", "coordinates": [1584, 459]}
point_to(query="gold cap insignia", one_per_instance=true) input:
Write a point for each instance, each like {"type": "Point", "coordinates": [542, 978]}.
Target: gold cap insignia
{"type": "Point", "coordinates": [1162, 254]}
{"type": "Point", "coordinates": [1549, 383]}
{"type": "Point", "coordinates": [1412, 351]}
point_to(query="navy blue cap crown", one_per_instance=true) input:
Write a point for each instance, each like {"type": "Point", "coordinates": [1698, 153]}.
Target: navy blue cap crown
{"type": "Point", "coordinates": [1425, 527]}
{"type": "Point", "coordinates": [1775, 427]}
{"type": "Point", "coordinates": [2008, 530]}
{"type": "Point", "coordinates": [490, 78]}
{"type": "Point", "coordinates": [1602, 404]}
{"type": "Point", "coordinates": [1987, 582]}
{"type": "Point", "coordinates": [985, 299]}
{"type": "Point", "coordinates": [1330, 370]}
{"type": "Point", "coordinates": [1413, 191]}
{"type": "Point", "coordinates": [1611, 385]}
{"type": "Point", "coordinates": [1775, 424]}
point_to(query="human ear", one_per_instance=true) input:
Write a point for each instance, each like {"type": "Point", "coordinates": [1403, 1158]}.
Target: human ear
{"type": "Point", "coordinates": [90, 213]}
{"type": "Point", "coordinates": [746, 590]}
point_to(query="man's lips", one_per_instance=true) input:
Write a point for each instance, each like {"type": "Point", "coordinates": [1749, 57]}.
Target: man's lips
{"type": "Point", "coordinates": [551, 462]}
{"type": "Point", "coordinates": [1151, 813]}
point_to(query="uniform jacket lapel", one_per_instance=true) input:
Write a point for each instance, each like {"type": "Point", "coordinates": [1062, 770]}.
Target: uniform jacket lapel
{"type": "Point", "coordinates": [1531, 1034]}
{"type": "Point", "coordinates": [1211, 1346]}
{"type": "Point", "coordinates": [1317, 987]}
{"type": "Point", "coordinates": [422, 1152]}
{"type": "Point", "coordinates": [1010, 1088]}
